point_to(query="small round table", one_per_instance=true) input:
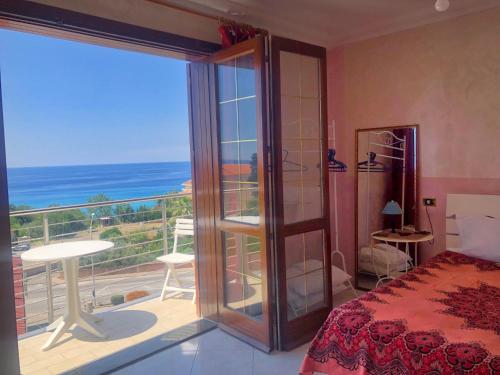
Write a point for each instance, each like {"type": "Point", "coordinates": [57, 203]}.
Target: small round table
{"type": "Point", "coordinates": [69, 253]}
{"type": "Point", "coordinates": [388, 236]}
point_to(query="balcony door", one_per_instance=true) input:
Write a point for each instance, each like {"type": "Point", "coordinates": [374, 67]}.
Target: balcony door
{"type": "Point", "coordinates": [250, 177]}
{"type": "Point", "coordinates": [302, 234]}
{"type": "Point", "coordinates": [231, 179]}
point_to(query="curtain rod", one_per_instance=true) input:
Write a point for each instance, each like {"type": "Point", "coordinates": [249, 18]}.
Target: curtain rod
{"type": "Point", "coordinates": [183, 9]}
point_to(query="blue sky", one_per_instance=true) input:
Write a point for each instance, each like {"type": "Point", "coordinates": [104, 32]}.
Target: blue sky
{"type": "Point", "coordinates": [69, 103]}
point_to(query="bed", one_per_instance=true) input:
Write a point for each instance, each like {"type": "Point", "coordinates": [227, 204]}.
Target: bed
{"type": "Point", "coordinates": [443, 317]}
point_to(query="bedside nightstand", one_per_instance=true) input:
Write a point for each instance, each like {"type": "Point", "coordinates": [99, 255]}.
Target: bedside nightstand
{"type": "Point", "coordinates": [388, 237]}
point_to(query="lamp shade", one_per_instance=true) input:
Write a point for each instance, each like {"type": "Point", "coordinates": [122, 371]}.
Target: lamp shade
{"type": "Point", "coordinates": [392, 208]}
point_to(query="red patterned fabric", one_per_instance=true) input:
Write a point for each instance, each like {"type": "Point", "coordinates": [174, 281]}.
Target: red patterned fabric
{"type": "Point", "coordinates": [441, 318]}
{"type": "Point", "coordinates": [233, 33]}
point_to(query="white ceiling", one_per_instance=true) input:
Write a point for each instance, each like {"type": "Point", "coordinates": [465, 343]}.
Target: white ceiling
{"type": "Point", "coordinates": [334, 22]}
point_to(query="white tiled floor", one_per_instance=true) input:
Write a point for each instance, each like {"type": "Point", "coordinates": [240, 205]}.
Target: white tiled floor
{"type": "Point", "coordinates": [217, 353]}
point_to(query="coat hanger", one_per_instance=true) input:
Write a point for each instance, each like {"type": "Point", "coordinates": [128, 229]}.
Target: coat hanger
{"type": "Point", "coordinates": [333, 164]}
{"type": "Point", "coordinates": [292, 166]}
{"type": "Point", "coordinates": [371, 164]}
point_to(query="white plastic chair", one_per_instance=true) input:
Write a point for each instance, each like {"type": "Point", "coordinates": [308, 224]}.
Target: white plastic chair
{"type": "Point", "coordinates": [183, 227]}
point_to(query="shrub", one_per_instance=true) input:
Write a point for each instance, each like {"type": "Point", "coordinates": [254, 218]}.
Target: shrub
{"type": "Point", "coordinates": [110, 234]}
{"type": "Point", "coordinates": [135, 295]}
{"type": "Point", "coordinates": [117, 299]}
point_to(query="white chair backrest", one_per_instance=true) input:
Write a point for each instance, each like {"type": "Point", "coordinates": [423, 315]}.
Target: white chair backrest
{"type": "Point", "coordinates": [183, 227]}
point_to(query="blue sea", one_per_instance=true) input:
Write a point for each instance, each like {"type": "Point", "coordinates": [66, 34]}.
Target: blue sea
{"type": "Point", "coordinates": [41, 187]}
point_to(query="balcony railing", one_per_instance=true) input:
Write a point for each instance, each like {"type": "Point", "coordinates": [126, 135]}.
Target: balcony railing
{"type": "Point", "coordinates": [141, 229]}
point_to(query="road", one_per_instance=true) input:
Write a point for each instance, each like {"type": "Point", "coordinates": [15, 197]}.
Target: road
{"type": "Point", "coordinates": [105, 286]}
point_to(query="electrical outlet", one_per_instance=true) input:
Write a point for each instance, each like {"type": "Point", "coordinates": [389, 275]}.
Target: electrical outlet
{"type": "Point", "coordinates": [431, 202]}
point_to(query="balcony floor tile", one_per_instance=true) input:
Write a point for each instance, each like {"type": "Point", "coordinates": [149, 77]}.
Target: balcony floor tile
{"type": "Point", "coordinates": [124, 327]}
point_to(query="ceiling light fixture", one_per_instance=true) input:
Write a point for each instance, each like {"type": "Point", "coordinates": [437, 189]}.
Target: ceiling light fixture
{"type": "Point", "coordinates": [442, 5]}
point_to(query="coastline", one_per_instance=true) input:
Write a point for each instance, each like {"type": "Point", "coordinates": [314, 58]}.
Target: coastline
{"type": "Point", "coordinates": [41, 187]}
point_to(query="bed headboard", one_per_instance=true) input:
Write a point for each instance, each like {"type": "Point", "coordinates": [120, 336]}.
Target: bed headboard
{"type": "Point", "coordinates": [467, 204]}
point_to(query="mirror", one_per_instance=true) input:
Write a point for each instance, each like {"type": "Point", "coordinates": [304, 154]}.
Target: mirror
{"type": "Point", "coordinates": [386, 200]}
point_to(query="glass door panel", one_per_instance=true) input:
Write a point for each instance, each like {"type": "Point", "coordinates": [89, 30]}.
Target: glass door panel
{"type": "Point", "coordinates": [303, 237]}
{"type": "Point", "coordinates": [237, 110]}
{"type": "Point", "coordinates": [301, 137]}
{"type": "Point", "coordinates": [305, 273]}
{"type": "Point", "coordinates": [241, 191]}
{"type": "Point", "coordinates": [242, 274]}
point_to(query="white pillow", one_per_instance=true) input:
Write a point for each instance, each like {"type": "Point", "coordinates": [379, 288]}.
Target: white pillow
{"type": "Point", "coordinates": [382, 254]}
{"type": "Point", "coordinates": [298, 301]}
{"type": "Point", "coordinates": [480, 237]}
{"type": "Point", "coordinates": [339, 277]}
{"type": "Point", "coordinates": [314, 279]}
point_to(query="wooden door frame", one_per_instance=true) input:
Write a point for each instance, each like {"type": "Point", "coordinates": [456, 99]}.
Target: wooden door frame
{"type": "Point", "coordinates": [247, 329]}
{"type": "Point", "coordinates": [292, 332]}
{"type": "Point", "coordinates": [61, 23]}
{"type": "Point", "coordinates": [8, 325]}
{"type": "Point", "coordinates": [27, 16]}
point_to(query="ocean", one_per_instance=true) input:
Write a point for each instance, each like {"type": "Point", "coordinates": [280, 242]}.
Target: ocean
{"type": "Point", "coordinates": [41, 187]}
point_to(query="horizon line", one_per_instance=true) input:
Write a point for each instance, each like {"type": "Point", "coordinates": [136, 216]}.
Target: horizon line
{"type": "Point", "coordinates": [103, 164]}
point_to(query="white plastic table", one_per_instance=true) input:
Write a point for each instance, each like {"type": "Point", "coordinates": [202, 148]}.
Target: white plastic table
{"type": "Point", "coordinates": [69, 253]}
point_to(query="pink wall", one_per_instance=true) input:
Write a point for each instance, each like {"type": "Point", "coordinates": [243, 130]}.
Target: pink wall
{"type": "Point", "coordinates": [444, 76]}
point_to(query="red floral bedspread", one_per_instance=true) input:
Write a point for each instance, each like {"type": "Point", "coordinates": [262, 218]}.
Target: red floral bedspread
{"type": "Point", "coordinates": [441, 318]}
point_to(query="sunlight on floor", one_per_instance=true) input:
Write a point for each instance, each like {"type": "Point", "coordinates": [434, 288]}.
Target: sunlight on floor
{"type": "Point", "coordinates": [216, 353]}
{"type": "Point", "coordinates": [124, 327]}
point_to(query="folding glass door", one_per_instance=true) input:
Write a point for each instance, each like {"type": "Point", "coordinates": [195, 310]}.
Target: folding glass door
{"type": "Point", "coordinates": [236, 81]}
{"type": "Point", "coordinates": [301, 189]}
{"type": "Point", "coordinates": [264, 223]}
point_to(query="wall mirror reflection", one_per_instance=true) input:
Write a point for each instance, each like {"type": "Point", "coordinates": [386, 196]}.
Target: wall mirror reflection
{"type": "Point", "coordinates": [386, 203]}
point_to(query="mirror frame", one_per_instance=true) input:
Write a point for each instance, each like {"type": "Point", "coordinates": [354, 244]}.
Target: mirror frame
{"type": "Point", "coordinates": [417, 187]}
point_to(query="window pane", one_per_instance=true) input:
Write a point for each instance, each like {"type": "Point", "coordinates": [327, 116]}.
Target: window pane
{"type": "Point", "coordinates": [305, 273]}
{"type": "Point", "coordinates": [238, 130]}
{"type": "Point", "coordinates": [228, 122]}
{"type": "Point", "coordinates": [245, 76]}
{"type": "Point", "coordinates": [302, 138]}
{"type": "Point", "coordinates": [242, 274]}
{"type": "Point", "coordinates": [247, 119]}
{"type": "Point", "coordinates": [226, 73]}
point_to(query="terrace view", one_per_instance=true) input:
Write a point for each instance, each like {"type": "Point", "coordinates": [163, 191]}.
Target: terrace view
{"type": "Point", "coordinates": [128, 196]}
{"type": "Point", "coordinates": [120, 284]}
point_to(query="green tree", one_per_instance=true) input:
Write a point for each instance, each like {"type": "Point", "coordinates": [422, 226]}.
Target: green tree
{"type": "Point", "coordinates": [67, 222]}
{"type": "Point", "coordinates": [103, 211]}
{"type": "Point", "coordinates": [125, 213]}
{"type": "Point", "coordinates": [178, 207]}
{"type": "Point", "coordinates": [148, 213]}
{"type": "Point", "coordinates": [27, 225]}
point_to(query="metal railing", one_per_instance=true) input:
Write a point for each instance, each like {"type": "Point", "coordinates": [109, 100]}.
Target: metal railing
{"type": "Point", "coordinates": [142, 229]}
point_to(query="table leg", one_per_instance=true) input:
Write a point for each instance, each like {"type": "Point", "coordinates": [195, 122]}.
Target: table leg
{"type": "Point", "coordinates": [74, 313]}
{"type": "Point", "coordinates": [384, 279]}
{"type": "Point", "coordinates": [416, 254]}
{"type": "Point", "coordinates": [55, 324]}
{"type": "Point", "coordinates": [60, 330]}
{"type": "Point", "coordinates": [407, 251]}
